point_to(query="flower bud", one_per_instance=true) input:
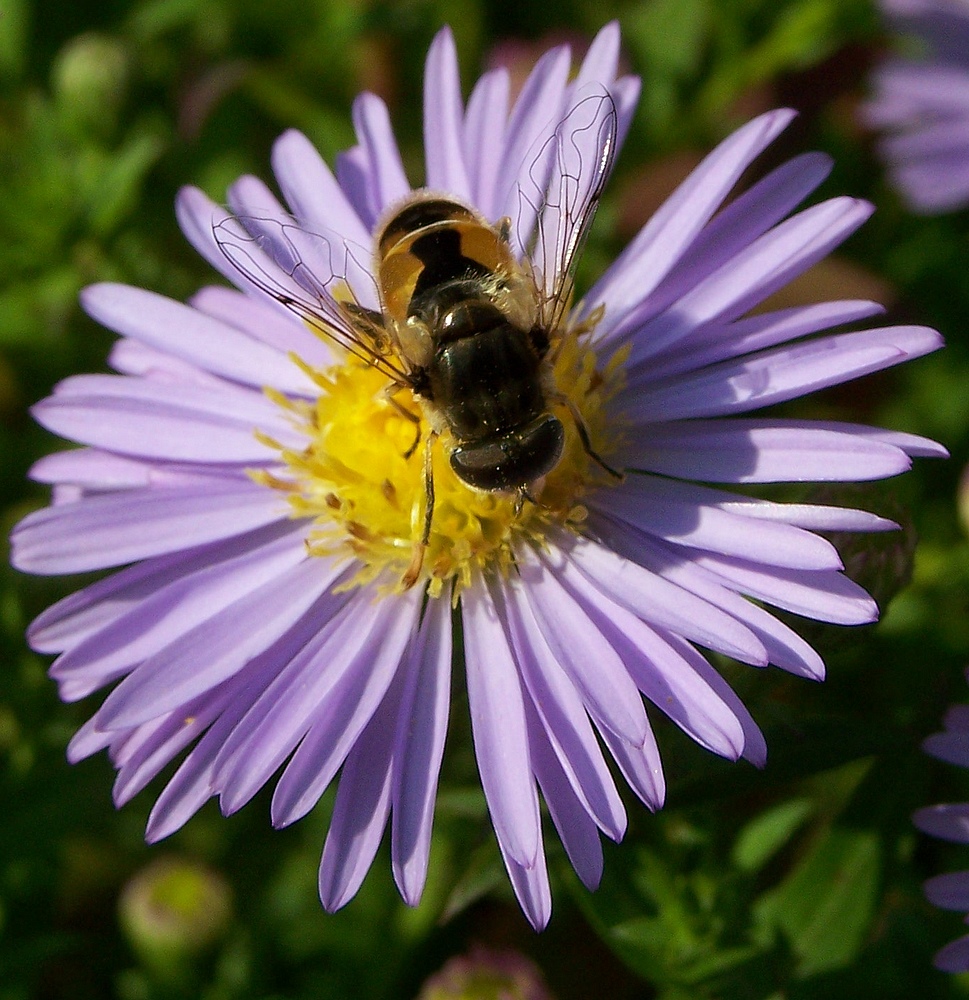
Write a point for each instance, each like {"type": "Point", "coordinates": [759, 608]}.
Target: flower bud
{"type": "Point", "coordinates": [174, 910]}
{"type": "Point", "coordinates": [89, 79]}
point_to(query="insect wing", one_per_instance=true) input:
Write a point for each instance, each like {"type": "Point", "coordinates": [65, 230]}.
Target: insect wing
{"type": "Point", "coordinates": [319, 277]}
{"type": "Point", "coordinates": [566, 181]}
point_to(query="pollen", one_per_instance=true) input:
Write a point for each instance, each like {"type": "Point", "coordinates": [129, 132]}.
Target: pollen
{"type": "Point", "coordinates": [359, 482]}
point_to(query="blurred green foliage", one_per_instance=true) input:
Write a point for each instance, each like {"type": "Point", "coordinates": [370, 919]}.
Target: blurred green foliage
{"type": "Point", "coordinates": [799, 882]}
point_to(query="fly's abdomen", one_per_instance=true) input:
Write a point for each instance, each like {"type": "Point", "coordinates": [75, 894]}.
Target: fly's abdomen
{"type": "Point", "coordinates": [487, 384]}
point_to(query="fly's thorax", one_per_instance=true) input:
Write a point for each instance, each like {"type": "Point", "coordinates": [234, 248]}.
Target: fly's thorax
{"type": "Point", "coordinates": [431, 240]}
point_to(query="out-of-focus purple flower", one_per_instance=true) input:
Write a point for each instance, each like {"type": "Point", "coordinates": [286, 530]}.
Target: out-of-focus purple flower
{"type": "Point", "coordinates": [485, 974]}
{"type": "Point", "coordinates": [259, 625]}
{"type": "Point", "coordinates": [921, 103]}
{"type": "Point", "coordinates": [949, 822]}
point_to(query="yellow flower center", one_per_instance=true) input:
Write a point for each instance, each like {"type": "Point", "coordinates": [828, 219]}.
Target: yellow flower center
{"type": "Point", "coordinates": [360, 479]}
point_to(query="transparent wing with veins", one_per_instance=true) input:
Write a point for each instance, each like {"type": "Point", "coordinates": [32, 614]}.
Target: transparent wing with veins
{"type": "Point", "coordinates": [561, 192]}
{"type": "Point", "coordinates": [322, 279]}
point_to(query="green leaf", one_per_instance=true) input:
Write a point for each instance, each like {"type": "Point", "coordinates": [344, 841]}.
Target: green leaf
{"type": "Point", "coordinates": [13, 37]}
{"type": "Point", "coordinates": [826, 905]}
{"type": "Point", "coordinates": [116, 194]}
{"type": "Point", "coordinates": [764, 836]}
{"type": "Point", "coordinates": [669, 35]}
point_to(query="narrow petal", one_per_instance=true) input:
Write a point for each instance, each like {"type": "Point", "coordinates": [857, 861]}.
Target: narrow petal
{"type": "Point", "coordinates": [579, 834]}
{"type": "Point", "coordinates": [948, 822]}
{"type": "Point", "coordinates": [718, 341]}
{"type": "Point", "coordinates": [625, 92]}
{"type": "Point", "coordinates": [284, 713]}
{"type": "Point", "coordinates": [763, 451]}
{"type": "Point", "coordinates": [194, 781]}
{"type": "Point", "coordinates": [341, 714]}
{"type": "Point", "coordinates": [162, 421]}
{"type": "Point", "coordinates": [820, 594]}
{"type": "Point", "coordinates": [361, 808]}
{"type": "Point", "coordinates": [484, 138]}
{"type": "Point", "coordinates": [312, 267]}
{"type": "Point", "coordinates": [775, 375]}
{"type": "Point", "coordinates": [746, 219]}
{"type": "Point", "coordinates": [560, 711]}
{"type": "Point", "coordinates": [498, 729]}
{"type": "Point", "coordinates": [189, 334]}
{"type": "Point", "coordinates": [601, 62]}
{"type": "Point", "coordinates": [266, 322]}
{"type": "Point", "coordinates": [949, 891]}
{"type": "Point", "coordinates": [726, 235]}
{"type": "Point", "coordinates": [216, 649]}
{"type": "Point", "coordinates": [201, 219]}
{"type": "Point", "coordinates": [682, 514]}
{"type": "Point", "coordinates": [954, 957]}
{"type": "Point", "coordinates": [785, 648]}
{"type": "Point", "coordinates": [906, 89]}
{"type": "Point", "coordinates": [929, 140]}
{"type": "Point", "coordinates": [176, 608]}
{"type": "Point", "coordinates": [531, 124]}
{"type": "Point", "coordinates": [132, 357]}
{"type": "Point", "coordinates": [119, 528]}
{"type": "Point", "coordinates": [158, 742]}
{"type": "Point", "coordinates": [386, 170]}
{"type": "Point", "coordinates": [816, 517]}
{"type": "Point", "coordinates": [640, 766]}
{"type": "Point", "coordinates": [446, 169]}
{"type": "Point", "coordinates": [747, 277]}
{"type": "Point", "coordinates": [419, 742]}
{"type": "Point", "coordinates": [531, 886]}
{"type": "Point", "coordinates": [912, 444]}
{"type": "Point", "coordinates": [197, 217]}
{"type": "Point", "coordinates": [89, 467]}
{"type": "Point", "coordinates": [74, 618]}
{"type": "Point", "coordinates": [190, 787]}
{"type": "Point", "coordinates": [669, 680]}
{"type": "Point", "coordinates": [590, 567]}
{"type": "Point", "coordinates": [353, 176]}
{"type": "Point", "coordinates": [585, 654]}
{"type": "Point", "coordinates": [754, 746]}
{"type": "Point", "coordinates": [311, 190]}
{"type": "Point", "coordinates": [89, 740]}
{"type": "Point", "coordinates": [951, 746]}
{"type": "Point", "coordinates": [581, 154]}
{"type": "Point", "coordinates": [671, 230]}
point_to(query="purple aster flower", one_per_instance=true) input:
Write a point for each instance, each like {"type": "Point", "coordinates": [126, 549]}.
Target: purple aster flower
{"type": "Point", "coordinates": [264, 489]}
{"type": "Point", "coordinates": [949, 822]}
{"type": "Point", "coordinates": [921, 103]}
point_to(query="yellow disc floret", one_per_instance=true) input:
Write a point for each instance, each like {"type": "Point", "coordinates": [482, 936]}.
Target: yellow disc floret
{"type": "Point", "coordinates": [360, 478]}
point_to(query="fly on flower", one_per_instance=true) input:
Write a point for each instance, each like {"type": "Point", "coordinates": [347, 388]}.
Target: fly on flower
{"type": "Point", "coordinates": [464, 324]}
{"type": "Point", "coordinates": [253, 473]}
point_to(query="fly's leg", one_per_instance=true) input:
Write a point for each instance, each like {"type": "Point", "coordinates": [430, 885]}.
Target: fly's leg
{"type": "Point", "coordinates": [521, 495]}
{"type": "Point", "coordinates": [420, 547]}
{"type": "Point", "coordinates": [583, 431]}
{"type": "Point", "coordinates": [390, 392]}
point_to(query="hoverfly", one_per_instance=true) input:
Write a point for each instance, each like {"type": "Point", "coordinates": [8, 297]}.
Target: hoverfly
{"type": "Point", "coordinates": [464, 313]}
